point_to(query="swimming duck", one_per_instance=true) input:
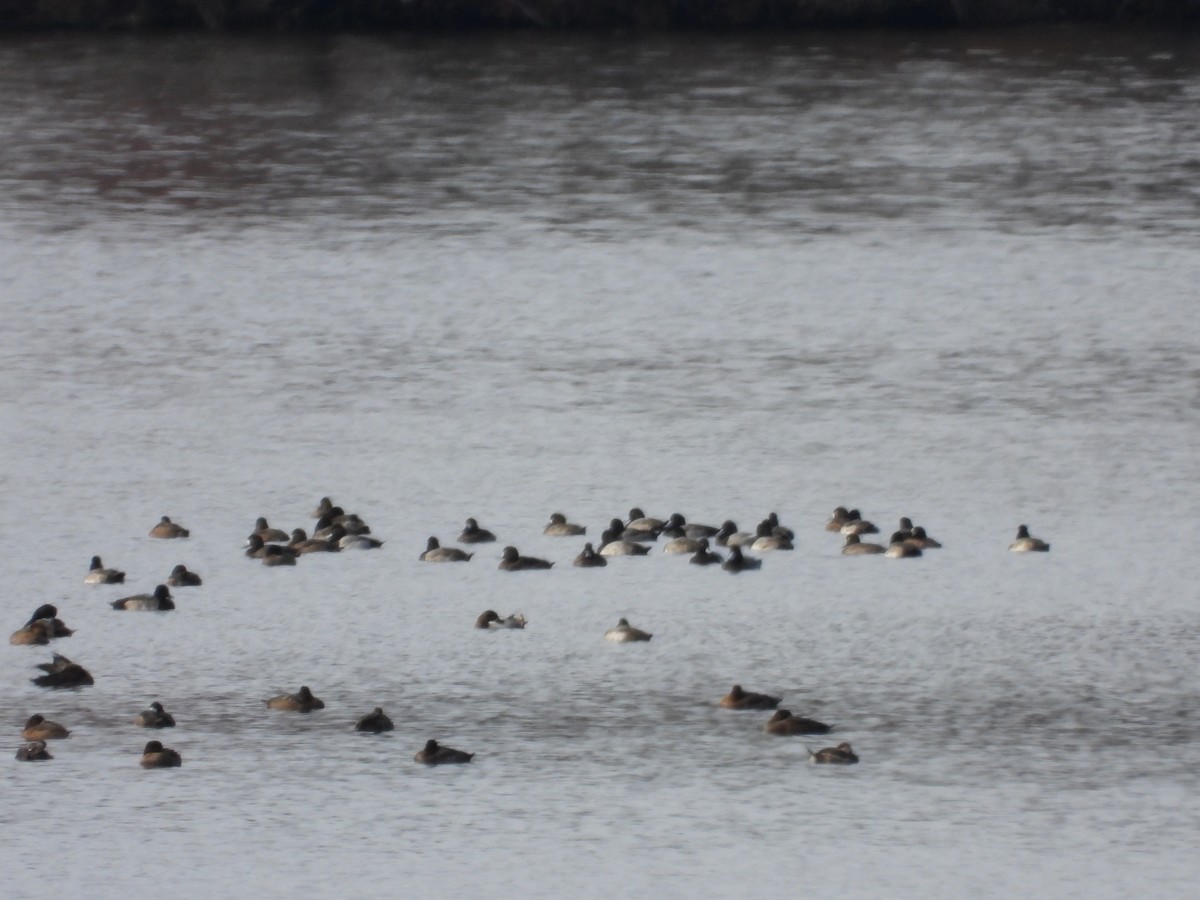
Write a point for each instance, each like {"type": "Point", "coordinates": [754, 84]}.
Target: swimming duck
{"type": "Point", "coordinates": [777, 529]}
{"type": "Point", "coordinates": [491, 619]}
{"type": "Point", "coordinates": [625, 633]}
{"type": "Point", "coordinates": [839, 755]}
{"type": "Point", "coordinates": [156, 756]}
{"type": "Point", "coordinates": [612, 544]}
{"type": "Point", "coordinates": [160, 600]}
{"type": "Point", "coordinates": [267, 533]}
{"type": "Point", "coordinates": [901, 547]}
{"type": "Point", "coordinates": [35, 632]}
{"type": "Point", "coordinates": [739, 562]}
{"type": "Point", "coordinates": [270, 554]}
{"type": "Point", "coordinates": [767, 539]}
{"type": "Point", "coordinates": [48, 613]}
{"type": "Point", "coordinates": [155, 717]}
{"type": "Point", "coordinates": [560, 527]}
{"type": "Point", "coordinates": [473, 534]}
{"type": "Point", "coordinates": [97, 574]}
{"type": "Point", "coordinates": [588, 557]}
{"type": "Point", "coordinates": [639, 521]}
{"type": "Point", "coordinates": [739, 699]}
{"type": "Point", "coordinates": [1025, 544]}
{"type": "Point", "coordinates": [33, 751]}
{"type": "Point", "coordinates": [357, 541]}
{"type": "Point", "coordinates": [729, 536]}
{"type": "Point", "coordinates": [181, 577]}
{"type": "Point", "coordinates": [677, 527]}
{"type": "Point", "coordinates": [704, 556]}
{"type": "Point", "coordinates": [39, 728]}
{"type": "Point", "coordinates": [301, 701]}
{"type": "Point", "coordinates": [838, 519]}
{"type": "Point", "coordinates": [684, 545]}
{"type": "Point", "coordinates": [436, 755]}
{"type": "Point", "coordinates": [617, 527]}
{"type": "Point", "coordinates": [435, 552]}
{"type": "Point", "coordinates": [376, 722]}
{"type": "Point", "coordinates": [301, 543]}
{"type": "Point", "coordinates": [856, 546]}
{"type": "Point", "coordinates": [322, 508]}
{"type": "Point", "coordinates": [513, 561]}
{"type": "Point", "coordinates": [856, 524]}
{"type": "Point", "coordinates": [168, 529]}
{"type": "Point", "coordinates": [918, 538]}
{"type": "Point", "coordinates": [784, 723]}
{"type": "Point", "coordinates": [62, 673]}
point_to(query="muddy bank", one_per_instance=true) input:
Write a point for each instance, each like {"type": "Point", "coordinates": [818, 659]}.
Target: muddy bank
{"type": "Point", "coordinates": [144, 15]}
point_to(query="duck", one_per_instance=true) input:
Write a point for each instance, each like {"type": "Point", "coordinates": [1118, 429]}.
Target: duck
{"type": "Point", "coordinates": [625, 633]}
{"type": "Point", "coordinates": [766, 539]}
{"type": "Point", "coordinates": [159, 601]}
{"type": "Point", "coordinates": [677, 526]}
{"type": "Point", "coordinates": [323, 507]}
{"type": "Point", "coordinates": [97, 574]}
{"type": "Point", "coordinates": [491, 620]}
{"type": "Point", "coordinates": [856, 546]}
{"type": "Point", "coordinates": [838, 519]}
{"type": "Point", "coordinates": [156, 756]}
{"type": "Point", "coordinates": [301, 543]}
{"type": "Point", "coordinates": [31, 633]}
{"type": "Point", "coordinates": [704, 556]}
{"type": "Point", "coordinates": [856, 524]}
{"type": "Point", "coordinates": [33, 751]}
{"type": "Point", "coordinates": [612, 544]}
{"type": "Point", "coordinates": [473, 534]}
{"type": "Point", "coordinates": [738, 561]}
{"type": "Point", "coordinates": [62, 673]}
{"type": "Point", "coordinates": [39, 728]}
{"type": "Point", "coordinates": [512, 561]}
{"type": "Point", "coordinates": [560, 527]}
{"type": "Point", "coordinates": [278, 555]}
{"type": "Point", "coordinates": [168, 529]}
{"type": "Point", "coordinates": [375, 722]}
{"type": "Point", "coordinates": [900, 547]}
{"type": "Point", "coordinates": [1025, 544]}
{"type": "Point", "coordinates": [918, 538]}
{"type": "Point", "coordinates": [48, 613]}
{"type": "Point", "coordinates": [840, 755]}
{"type": "Point", "coordinates": [434, 754]}
{"type": "Point", "coordinates": [155, 717]}
{"type": "Point", "coordinates": [257, 548]}
{"type": "Point", "coordinates": [639, 521]}
{"type": "Point", "coordinates": [589, 558]}
{"type": "Point", "coordinates": [684, 544]}
{"type": "Point", "coordinates": [639, 535]}
{"type": "Point", "coordinates": [181, 576]}
{"type": "Point", "coordinates": [739, 699]}
{"type": "Point", "coordinates": [729, 536]}
{"type": "Point", "coordinates": [779, 530]}
{"type": "Point", "coordinates": [357, 541]}
{"type": "Point", "coordinates": [267, 533]}
{"type": "Point", "coordinates": [301, 701]}
{"type": "Point", "coordinates": [784, 723]}
{"type": "Point", "coordinates": [435, 552]}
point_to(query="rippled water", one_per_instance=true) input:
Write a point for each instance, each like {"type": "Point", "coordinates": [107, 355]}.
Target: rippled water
{"type": "Point", "coordinates": [938, 275]}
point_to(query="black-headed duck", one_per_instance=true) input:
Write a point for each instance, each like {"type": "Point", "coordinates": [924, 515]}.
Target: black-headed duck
{"type": "Point", "coordinates": [739, 699]}
{"type": "Point", "coordinates": [473, 534]}
{"type": "Point", "coordinates": [491, 619]}
{"type": "Point", "coordinates": [779, 530]}
{"type": "Point", "coordinates": [1026, 544]}
{"type": "Point", "coordinates": [301, 543]}
{"type": "Point", "coordinates": [560, 527]}
{"type": "Point", "coordinates": [97, 574]}
{"type": "Point", "coordinates": [160, 600]}
{"type": "Point", "coordinates": [301, 701]}
{"type": "Point", "coordinates": [766, 538]}
{"type": "Point", "coordinates": [626, 633]}
{"type": "Point", "coordinates": [784, 723]}
{"type": "Point", "coordinates": [856, 546]}
{"type": "Point", "coordinates": [589, 558]}
{"type": "Point", "coordinates": [156, 756]}
{"type": "Point", "coordinates": [704, 556]}
{"type": "Point", "coordinates": [739, 562]}
{"type": "Point", "coordinates": [728, 535]}
{"type": "Point", "coordinates": [901, 547]}
{"type": "Point", "coordinates": [513, 561]}
{"type": "Point", "coordinates": [48, 613]}
{"type": "Point", "coordinates": [39, 728]}
{"type": "Point", "coordinates": [62, 673]}
{"type": "Point", "coordinates": [677, 526]}
{"type": "Point", "coordinates": [435, 755]}
{"type": "Point", "coordinates": [155, 717]}
{"type": "Point", "coordinates": [840, 755]}
{"type": "Point", "coordinates": [34, 751]}
{"type": "Point", "coordinates": [640, 535]}
{"type": "Point", "coordinates": [919, 538]}
{"type": "Point", "coordinates": [181, 576]}
{"type": "Point", "coordinates": [435, 552]}
{"type": "Point", "coordinates": [856, 524]}
{"type": "Point", "coordinates": [257, 548]}
{"type": "Point", "coordinates": [375, 722]}
{"type": "Point", "coordinates": [168, 529]}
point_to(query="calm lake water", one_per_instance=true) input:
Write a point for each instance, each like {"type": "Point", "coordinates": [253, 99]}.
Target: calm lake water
{"type": "Point", "coordinates": [948, 276]}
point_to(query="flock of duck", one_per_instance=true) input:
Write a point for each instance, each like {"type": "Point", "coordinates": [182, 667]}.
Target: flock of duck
{"type": "Point", "coordinates": [336, 531]}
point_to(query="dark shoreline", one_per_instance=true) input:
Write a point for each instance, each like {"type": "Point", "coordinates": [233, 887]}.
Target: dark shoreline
{"type": "Point", "coordinates": [645, 15]}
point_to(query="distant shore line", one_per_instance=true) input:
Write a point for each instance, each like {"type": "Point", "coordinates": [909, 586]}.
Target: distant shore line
{"type": "Point", "coordinates": [644, 15]}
